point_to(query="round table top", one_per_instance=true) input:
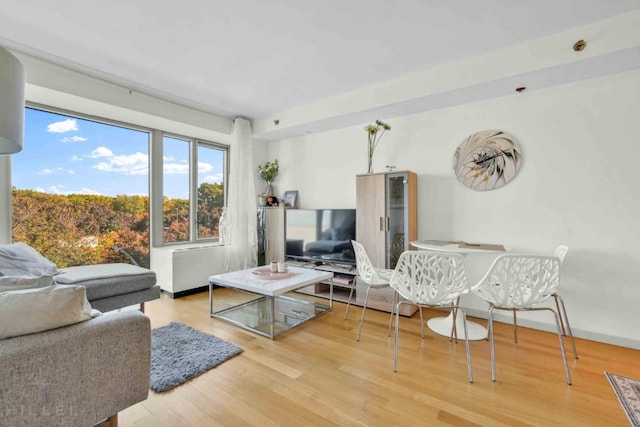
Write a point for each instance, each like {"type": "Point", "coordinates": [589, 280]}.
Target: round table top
{"type": "Point", "coordinates": [458, 247]}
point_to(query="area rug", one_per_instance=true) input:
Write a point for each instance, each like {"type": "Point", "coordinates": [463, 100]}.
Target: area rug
{"type": "Point", "coordinates": [180, 353]}
{"type": "Point", "coordinates": [628, 393]}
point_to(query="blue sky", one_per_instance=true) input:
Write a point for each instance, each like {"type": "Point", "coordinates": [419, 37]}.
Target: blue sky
{"type": "Point", "coordinates": [65, 155]}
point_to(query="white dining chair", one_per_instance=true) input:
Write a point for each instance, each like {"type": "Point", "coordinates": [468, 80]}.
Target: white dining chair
{"type": "Point", "coordinates": [374, 278]}
{"type": "Point", "coordinates": [560, 252]}
{"type": "Point", "coordinates": [434, 280]}
{"type": "Point", "coordinates": [521, 283]}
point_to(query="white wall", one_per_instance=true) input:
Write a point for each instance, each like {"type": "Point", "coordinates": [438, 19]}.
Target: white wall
{"type": "Point", "coordinates": [578, 186]}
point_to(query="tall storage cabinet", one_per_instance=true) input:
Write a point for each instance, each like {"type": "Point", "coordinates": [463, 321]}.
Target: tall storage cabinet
{"type": "Point", "coordinates": [386, 214]}
{"type": "Point", "coordinates": [271, 241]}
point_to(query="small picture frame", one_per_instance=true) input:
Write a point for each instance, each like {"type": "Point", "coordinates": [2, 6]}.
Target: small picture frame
{"type": "Point", "coordinates": [290, 199]}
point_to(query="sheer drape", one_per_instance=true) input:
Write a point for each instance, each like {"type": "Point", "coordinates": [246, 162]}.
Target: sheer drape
{"type": "Point", "coordinates": [238, 227]}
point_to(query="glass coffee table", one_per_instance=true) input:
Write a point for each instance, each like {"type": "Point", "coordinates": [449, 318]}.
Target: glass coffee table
{"type": "Point", "coordinates": [269, 312]}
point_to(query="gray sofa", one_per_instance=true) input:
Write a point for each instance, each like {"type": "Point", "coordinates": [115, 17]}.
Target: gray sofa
{"type": "Point", "coordinates": [77, 375]}
{"type": "Point", "coordinates": [112, 286]}
{"type": "Point", "coordinates": [109, 286]}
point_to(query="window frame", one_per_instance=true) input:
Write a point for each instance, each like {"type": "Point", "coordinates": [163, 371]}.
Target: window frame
{"type": "Point", "coordinates": [155, 176]}
{"type": "Point", "coordinates": [194, 143]}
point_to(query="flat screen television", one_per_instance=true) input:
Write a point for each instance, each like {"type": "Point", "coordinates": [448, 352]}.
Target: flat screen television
{"type": "Point", "coordinates": [321, 235]}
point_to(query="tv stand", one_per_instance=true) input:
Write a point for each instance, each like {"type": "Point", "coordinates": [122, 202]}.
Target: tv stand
{"type": "Point", "coordinates": [344, 276]}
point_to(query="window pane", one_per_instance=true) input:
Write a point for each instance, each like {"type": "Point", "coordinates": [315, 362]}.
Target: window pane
{"type": "Point", "coordinates": [175, 185]}
{"type": "Point", "coordinates": [210, 190]}
{"type": "Point", "coordinates": [80, 188]}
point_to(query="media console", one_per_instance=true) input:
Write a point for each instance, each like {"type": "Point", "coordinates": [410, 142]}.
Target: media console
{"type": "Point", "coordinates": [344, 276]}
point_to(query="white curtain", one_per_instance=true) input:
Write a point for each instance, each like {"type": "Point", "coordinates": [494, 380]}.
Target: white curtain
{"type": "Point", "coordinates": [238, 227]}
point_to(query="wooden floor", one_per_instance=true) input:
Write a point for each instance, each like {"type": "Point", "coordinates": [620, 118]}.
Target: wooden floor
{"type": "Point", "coordinates": [318, 375]}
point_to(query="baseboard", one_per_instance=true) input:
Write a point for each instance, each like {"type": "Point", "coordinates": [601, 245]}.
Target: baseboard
{"type": "Point", "coordinates": [174, 295]}
{"type": "Point", "coordinates": [548, 327]}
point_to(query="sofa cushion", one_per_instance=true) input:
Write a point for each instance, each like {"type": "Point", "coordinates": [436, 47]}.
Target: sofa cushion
{"type": "Point", "coordinates": [107, 280]}
{"type": "Point", "coordinates": [20, 259]}
{"type": "Point", "coordinates": [14, 283]}
{"type": "Point", "coordinates": [27, 311]}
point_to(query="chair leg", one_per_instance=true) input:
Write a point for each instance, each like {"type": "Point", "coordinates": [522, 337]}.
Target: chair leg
{"type": "Point", "coordinates": [515, 327]}
{"type": "Point", "coordinates": [364, 309]}
{"type": "Point", "coordinates": [492, 346]}
{"type": "Point", "coordinates": [421, 322]}
{"type": "Point", "coordinates": [395, 345]}
{"type": "Point", "coordinates": [564, 314]}
{"type": "Point", "coordinates": [466, 342]}
{"type": "Point", "coordinates": [562, 349]}
{"type": "Point", "coordinates": [346, 312]}
{"type": "Point", "coordinates": [454, 316]}
{"type": "Point", "coordinates": [393, 304]}
{"type": "Point", "coordinates": [555, 296]}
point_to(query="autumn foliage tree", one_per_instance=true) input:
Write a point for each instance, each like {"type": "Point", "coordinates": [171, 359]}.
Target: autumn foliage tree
{"type": "Point", "coordinates": [81, 229]}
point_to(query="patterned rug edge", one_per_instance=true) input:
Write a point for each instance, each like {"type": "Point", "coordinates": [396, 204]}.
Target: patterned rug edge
{"type": "Point", "coordinates": [630, 407]}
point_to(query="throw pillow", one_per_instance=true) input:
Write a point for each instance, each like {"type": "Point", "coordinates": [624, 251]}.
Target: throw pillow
{"type": "Point", "coordinates": [20, 259]}
{"type": "Point", "coordinates": [27, 311]}
{"type": "Point", "coordinates": [14, 283]}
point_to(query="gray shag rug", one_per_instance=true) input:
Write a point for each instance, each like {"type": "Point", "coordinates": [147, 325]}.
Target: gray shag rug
{"type": "Point", "coordinates": [179, 353]}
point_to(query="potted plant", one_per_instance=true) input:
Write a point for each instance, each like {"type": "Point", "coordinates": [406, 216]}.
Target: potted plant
{"type": "Point", "coordinates": [268, 173]}
{"type": "Point", "coordinates": [374, 134]}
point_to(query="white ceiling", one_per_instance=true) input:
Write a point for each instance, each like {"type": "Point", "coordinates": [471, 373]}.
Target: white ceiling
{"type": "Point", "coordinates": [255, 58]}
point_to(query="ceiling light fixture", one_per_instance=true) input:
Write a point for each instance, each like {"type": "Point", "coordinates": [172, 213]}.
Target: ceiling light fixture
{"type": "Point", "coordinates": [12, 80]}
{"type": "Point", "coordinates": [579, 45]}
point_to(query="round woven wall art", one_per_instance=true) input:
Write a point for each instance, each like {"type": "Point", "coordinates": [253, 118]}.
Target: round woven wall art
{"type": "Point", "coordinates": [487, 160]}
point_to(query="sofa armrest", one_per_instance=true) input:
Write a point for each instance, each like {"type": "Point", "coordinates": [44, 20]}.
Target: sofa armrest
{"type": "Point", "coordinates": [76, 375]}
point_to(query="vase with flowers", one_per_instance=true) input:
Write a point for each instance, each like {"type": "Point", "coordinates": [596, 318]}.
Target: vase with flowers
{"type": "Point", "coordinates": [268, 173]}
{"type": "Point", "coordinates": [374, 134]}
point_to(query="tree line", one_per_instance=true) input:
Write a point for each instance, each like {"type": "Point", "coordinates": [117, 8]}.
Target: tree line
{"type": "Point", "coordinates": [80, 229]}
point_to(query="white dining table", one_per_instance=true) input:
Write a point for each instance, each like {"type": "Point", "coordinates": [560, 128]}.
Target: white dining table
{"type": "Point", "coordinates": [443, 325]}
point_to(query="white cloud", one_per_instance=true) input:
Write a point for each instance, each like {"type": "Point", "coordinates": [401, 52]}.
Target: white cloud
{"type": "Point", "coordinates": [175, 168]}
{"type": "Point", "coordinates": [204, 167]}
{"type": "Point", "coordinates": [101, 152]}
{"type": "Point", "coordinates": [49, 171]}
{"type": "Point", "coordinates": [74, 138]}
{"type": "Point", "coordinates": [59, 189]}
{"type": "Point", "coordinates": [56, 189]}
{"type": "Point", "coordinates": [63, 126]}
{"type": "Point", "coordinates": [76, 158]}
{"type": "Point", "coordinates": [213, 179]}
{"type": "Point", "coordinates": [131, 164]}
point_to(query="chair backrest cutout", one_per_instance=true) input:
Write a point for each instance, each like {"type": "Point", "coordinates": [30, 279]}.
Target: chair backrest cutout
{"type": "Point", "coordinates": [429, 277]}
{"type": "Point", "coordinates": [520, 281]}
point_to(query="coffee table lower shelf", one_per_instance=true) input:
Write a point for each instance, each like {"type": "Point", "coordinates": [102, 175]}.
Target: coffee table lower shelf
{"type": "Point", "coordinates": [271, 316]}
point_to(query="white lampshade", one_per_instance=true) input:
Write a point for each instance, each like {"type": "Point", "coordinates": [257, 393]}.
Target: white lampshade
{"type": "Point", "coordinates": [12, 80]}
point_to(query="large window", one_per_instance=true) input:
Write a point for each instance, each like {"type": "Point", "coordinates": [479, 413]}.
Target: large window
{"type": "Point", "coordinates": [175, 185]}
{"type": "Point", "coordinates": [193, 189]}
{"type": "Point", "coordinates": [81, 186]}
{"type": "Point", "coordinates": [210, 197]}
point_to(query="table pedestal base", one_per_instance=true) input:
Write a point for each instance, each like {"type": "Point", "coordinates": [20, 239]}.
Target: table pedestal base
{"type": "Point", "coordinates": [442, 326]}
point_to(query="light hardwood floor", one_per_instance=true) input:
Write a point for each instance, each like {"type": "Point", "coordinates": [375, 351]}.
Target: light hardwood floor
{"type": "Point", "coordinates": [318, 375]}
